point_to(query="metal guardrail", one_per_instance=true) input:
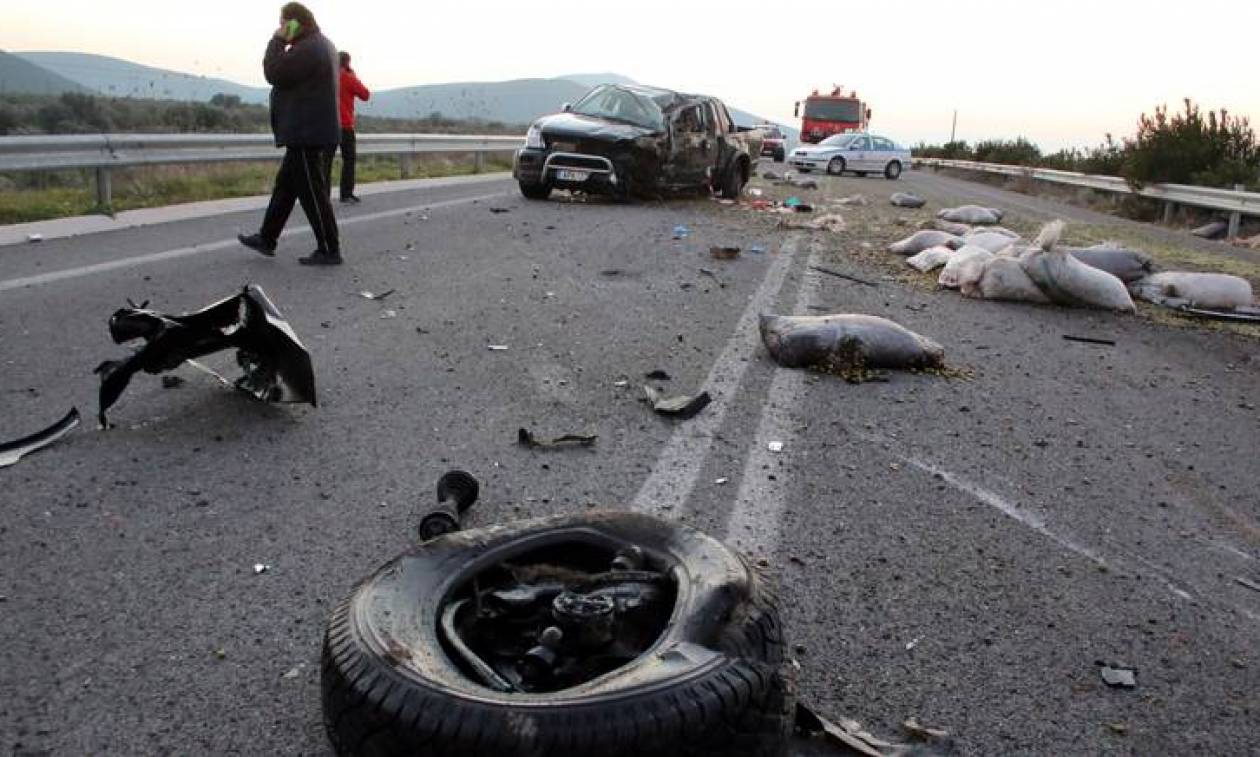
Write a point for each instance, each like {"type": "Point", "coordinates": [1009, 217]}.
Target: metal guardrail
{"type": "Point", "coordinates": [1234, 201]}
{"type": "Point", "coordinates": [105, 152]}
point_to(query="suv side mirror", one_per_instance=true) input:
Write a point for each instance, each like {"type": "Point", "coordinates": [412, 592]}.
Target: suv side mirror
{"type": "Point", "coordinates": [566, 107]}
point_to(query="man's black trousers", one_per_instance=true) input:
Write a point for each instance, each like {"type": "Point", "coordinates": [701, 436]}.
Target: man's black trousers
{"type": "Point", "coordinates": [349, 152]}
{"type": "Point", "coordinates": [303, 177]}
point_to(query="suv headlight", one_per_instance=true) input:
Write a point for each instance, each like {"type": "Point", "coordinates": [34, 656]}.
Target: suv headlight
{"type": "Point", "coordinates": [533, 137]}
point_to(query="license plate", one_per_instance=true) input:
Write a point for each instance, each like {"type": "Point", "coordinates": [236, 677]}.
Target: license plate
{"type": "Point", "coordinates": [572, 175]}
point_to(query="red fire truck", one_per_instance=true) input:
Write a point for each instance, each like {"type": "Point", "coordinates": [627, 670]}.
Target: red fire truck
{"type": "Point", "coordinates": [835, 113]}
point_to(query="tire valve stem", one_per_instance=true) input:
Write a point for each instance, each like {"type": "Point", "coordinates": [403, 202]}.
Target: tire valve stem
{"type": "Point", "coordinates": [456, 492]}
{"type": "Point", "coordinates": [539, 663]}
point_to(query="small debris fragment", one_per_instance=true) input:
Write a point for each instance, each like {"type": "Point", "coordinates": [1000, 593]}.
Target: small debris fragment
{"type": "Point", "coordinates": [721, 481]}
{"type": "Point", "coordinates": [34, 238]}
{"type": "Point", "coordinates": [683, 407]}
{"type": "Point", "coordinates": [260, 568]}
{"type": "Point", "coordinates": [841, 275]}
{"type": "Point", "coordinates": [681, 232]}
{"type": "Point", "coordinates": [526, 438]}
{"type": "Point", "coordinates": [658, 375]}
{"type": "Point", "coordinates": [497, 211]}
{"type": "Point", "coordinates": [11, 452]}
{"type": "Point", "coordinates": [775, 447]}
{"type": "Point", "coordinates": [498, 348]}
{"type": "Point", "coordinates": [172, 382]}
{"type": "Point", "coordinates": [389, 315]}
{"type": "Point", "coordinates": [1119, 677]}
{"type": "Point", "coordinates": [1120, 729]}
{"type": "Point", "coordinates": [1249, 584]}
{"type": "Point", "coordinates": [757, 249]}
{"type": "Point", "coordinates": [220, 654]}
{"type": "Point", "coordinates": [376, 297]}
{"type": "Point", "coordinates": [294, 672]}
{"type": "Point", "coordinates": [724, 253]}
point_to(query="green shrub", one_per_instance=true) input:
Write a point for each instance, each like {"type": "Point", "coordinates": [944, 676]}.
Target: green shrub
{"type": "Point", "coordinates": [1017, 152]}
{"type": "Point", "coordinates": [1218, 150]}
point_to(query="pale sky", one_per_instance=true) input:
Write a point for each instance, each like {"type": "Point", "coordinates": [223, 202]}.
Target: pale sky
{"type": "Point", "coordinates": [1060, 73]}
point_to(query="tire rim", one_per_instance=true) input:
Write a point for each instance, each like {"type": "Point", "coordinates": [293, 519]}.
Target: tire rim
{"type": "Point", "coordinates": [836, 166]}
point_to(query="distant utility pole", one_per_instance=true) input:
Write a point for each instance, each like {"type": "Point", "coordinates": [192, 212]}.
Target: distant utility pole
{"type": "Point", "coordinates": [953, 130]}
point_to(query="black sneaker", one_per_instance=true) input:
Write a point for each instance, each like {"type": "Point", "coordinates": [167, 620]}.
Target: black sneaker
{"type": "Point", "coordinates": [256, 243]}
{"type": "Point", "coordinates": [351, 200]}
{"type": "Point", "coordinates": [320, 258]}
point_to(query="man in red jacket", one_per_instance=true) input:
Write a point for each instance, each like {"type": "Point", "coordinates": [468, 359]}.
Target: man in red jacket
{"type": "Point", "coordinates": [350, 88]}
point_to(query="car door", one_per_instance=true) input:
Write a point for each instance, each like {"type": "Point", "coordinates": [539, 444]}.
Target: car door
{"type": "Point", "coordinates": [857, 154]}
{"type": "Point", "coordinates": [883, 152]}
{"type": "Point", "coordinates": [691, 146]}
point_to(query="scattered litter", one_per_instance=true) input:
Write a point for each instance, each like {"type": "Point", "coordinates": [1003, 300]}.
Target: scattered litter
{"type": "Point", "coordinates": [1117, 677]}
{"type": "Point", "coordinates": [771, 175]}
{"type": "Point", "coordinates": [907, 200]}
{"type": "Point", "coordinates": [498, 348]}
{"type": "Point", "coordinates": [1213, 230]}
{"type": "Point", "coordinates": [260, 568]}
{"type": "Point", "coordinates": [611, 272]}
{"type": "Point", "coordinates": [1090, 340]}
{"type": "Point", "coordinates": [802, 207]}
{"type": "Point", "coordinates": [658, 375]}
{"type": "Point", "coordinates": [923, 240]}
{"type": "Point", "coordinates": [11, 452]}
{"type": "Point", "coordinates": [757, 249]}
{"type": "Point", "coordinates": [34, 238]}
{"type": "Point", "coordinates": [792, 202]}
{"type": "Point", "coordinates": [1249, 584]}
{"type": "Point", "coordinates": [683, 407]}
{"type": "Point", "coordinates": [721, 481]}
{"type": "Point", "coordinates": [621, 384]}
{"type": "Point", "coordinates": [456, 492]}
{"type": "Point", "coordinates": [724, 201]}
{"type": "Point", "coordinates": [858, 200]}
{"type": "Point", "coordinates": [805, 183]}
{"type": "Point", "coordinates": [681, 232]}
{"type": "Point", "coordinates": [910, 645]}
{"type": "Point", "coordinates": [294, 672]}
{"type": "Point", "coordinates": [277, 367]}
{"type": "Point", "coordinates": [724, 253]}
{"type": "Point", "coordinates": [973, 214]}
{"type": "Point", "coordinates": [376, 297]}
{"type": "Point", "coordinates": [775, 447]}
{"type": "Point", "coordinates": [842, 275]}
{"type": "Point", "coordinates": [830, 222]}
{"type": "Point", "coordinates": [497, 211]}
{"type": "Point", "coordinates": [172, 382]}
{"type": "Point", "coordinates": [847, 344]}
{"type": "Point", "coordinates": [526, 438]}
{"type": "Point", "coordinates": [388, 315]}
{"type": "Point", "coordinates": [850, 736]}
{"type": "Point", "coordinates": [1197, 290]}
{"type": "Point", "coordinates": [754, 192]}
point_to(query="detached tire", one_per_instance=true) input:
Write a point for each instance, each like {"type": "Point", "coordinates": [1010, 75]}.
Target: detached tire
{"type": "Point", "coordinates": [535, 191]}
{"type": "Point", "coordinates": [715, 682]}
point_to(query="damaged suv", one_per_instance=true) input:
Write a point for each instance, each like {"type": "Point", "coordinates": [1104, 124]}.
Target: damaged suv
{"type": "Point", "coordinates": [626, 141]}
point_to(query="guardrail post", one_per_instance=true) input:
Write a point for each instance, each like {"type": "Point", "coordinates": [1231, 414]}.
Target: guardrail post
{"type": "Point", "coordinates": [104, 188]}
{"type": "Point", "coordinates": [1235, 218]}
{"type": "Point", "coordinates": [479, 162]}
{"type": "Point", "coordinates": [404, 165]}
{"type": "Point", "coordinates": [1169, 209]}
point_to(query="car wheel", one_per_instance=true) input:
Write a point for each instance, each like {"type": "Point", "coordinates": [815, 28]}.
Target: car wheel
{"type": "Point", "coordinates": [892, 171]}
{"type": "Point", "coordinates": [713, 680]}
{"type": "Point", "coordinates": [733, 181]}
{"type": "Point", "coordinates": [836, 166]}
{"type": "Point", "coordinates": [536, 191]}
{"type": "Point", "coordinates": [780, 156]}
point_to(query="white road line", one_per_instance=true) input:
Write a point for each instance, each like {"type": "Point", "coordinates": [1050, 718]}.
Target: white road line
{"type": "Point", "coordinates": [673, 477]}
{"type": "Point", "coordinates": [756, 519]}
{"type": "Point", "coordinates": [183, 252]}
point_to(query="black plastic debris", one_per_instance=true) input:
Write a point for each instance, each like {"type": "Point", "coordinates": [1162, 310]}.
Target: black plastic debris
{"type": "Point", "coordinates": [842, 275]}
{"type": "Point", "coordinates": [172, 382]}
{"type": "Point", "coordinates": [526, 438]}
{"type": "Point", "coordinates": [1090, 340]}
{"type": "Point", "coordinates": [276, 365]}
{"type": "Point", "coordinates": [456, 492]}
{"type": "Point", "coordinates": [657, 375]}
{"type": "Point", "coordinates": [683, 407]}
{"type": "Point", "coordinates": [11, 452]}
{"type": "Point", "coordinates": [498, 211]}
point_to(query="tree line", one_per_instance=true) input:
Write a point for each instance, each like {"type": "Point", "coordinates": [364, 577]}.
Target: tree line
{"type": "Point", "coordinates": [74, 113]}
{"type": "Point", "coordinates": [1212, 149]}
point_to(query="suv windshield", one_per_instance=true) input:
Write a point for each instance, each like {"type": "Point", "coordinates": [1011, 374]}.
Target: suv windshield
{"type": "Point", "coordinates": [833, 110]}
{"type": "Point", "coordinates": [617, 104]}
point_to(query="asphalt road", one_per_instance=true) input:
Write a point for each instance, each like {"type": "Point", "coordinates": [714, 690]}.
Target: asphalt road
{"type": "Point", "coordinates": [958, 550]}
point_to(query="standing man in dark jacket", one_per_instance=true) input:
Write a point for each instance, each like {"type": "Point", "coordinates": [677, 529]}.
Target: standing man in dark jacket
{"type": "Point", "coordinates": [350, 88]}
{"type": "Point", "coordinates": [301, 66]}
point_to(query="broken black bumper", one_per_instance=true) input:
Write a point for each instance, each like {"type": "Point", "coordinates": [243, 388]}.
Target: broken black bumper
{"type": "Point", "coordinates": [567, 170]}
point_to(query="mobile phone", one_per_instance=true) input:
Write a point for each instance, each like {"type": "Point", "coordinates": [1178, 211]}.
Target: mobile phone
{"type": "Point", "coordinates": [292, 29]}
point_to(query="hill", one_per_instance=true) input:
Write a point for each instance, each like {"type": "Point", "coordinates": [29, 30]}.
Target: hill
{"type": "Point", "coordinates": [19, 76]}
{"type": "Point", "coordinates": [115, 77]}
{"type": "Point", "coordinates": [518, 101]}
